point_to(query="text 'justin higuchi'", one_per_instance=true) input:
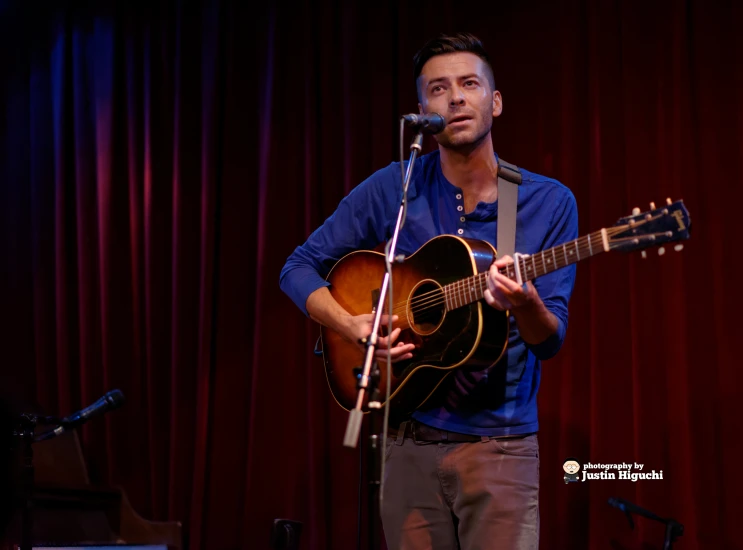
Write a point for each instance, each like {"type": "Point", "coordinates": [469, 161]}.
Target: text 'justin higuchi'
{"type": "Point", "coordinates": [623, 470]}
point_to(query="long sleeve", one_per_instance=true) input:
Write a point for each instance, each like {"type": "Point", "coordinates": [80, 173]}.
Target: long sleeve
{"type": "Point", "coordinates": [360, 222]}
{"type": "Point", "coordinates": [555, 288]}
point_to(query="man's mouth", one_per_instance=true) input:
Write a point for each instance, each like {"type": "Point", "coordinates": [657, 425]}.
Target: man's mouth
{"type": "Point", "coordinates": [460, 119]}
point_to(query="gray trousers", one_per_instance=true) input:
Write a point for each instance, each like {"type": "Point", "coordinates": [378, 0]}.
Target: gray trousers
{"type": "Point", "coordinates": [461, 496]}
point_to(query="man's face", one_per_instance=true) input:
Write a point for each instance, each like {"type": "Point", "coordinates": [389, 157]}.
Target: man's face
{"type": "Point", "coordinates": [571, 466]}
{"type": "Point", "coordinates": [456, 86]}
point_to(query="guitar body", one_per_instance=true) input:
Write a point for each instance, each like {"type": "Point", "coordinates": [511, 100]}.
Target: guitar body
{"type": "Point", "coordinates": [445, 338]}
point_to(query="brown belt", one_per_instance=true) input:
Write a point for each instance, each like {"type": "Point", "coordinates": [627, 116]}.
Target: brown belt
{"type": "Point", "coordinates": [421, 432]}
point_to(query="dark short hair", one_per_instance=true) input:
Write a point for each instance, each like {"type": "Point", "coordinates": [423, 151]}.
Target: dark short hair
{"type": "Point", "coordinates": [452, 43]}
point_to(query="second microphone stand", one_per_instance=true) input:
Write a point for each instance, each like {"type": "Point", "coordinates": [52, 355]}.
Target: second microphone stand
{"type": "Point", "coordinates": [368, 385]}
{"type": "Point", "coordinates": [24, 436]}
{"type": "Point", "coordinates": [674, 529]}
{"type": "Point", "coordinates": [24, 428]}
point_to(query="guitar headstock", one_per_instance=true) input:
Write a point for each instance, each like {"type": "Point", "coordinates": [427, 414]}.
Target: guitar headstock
{"type": "Point", "coordinates": [652, 228]}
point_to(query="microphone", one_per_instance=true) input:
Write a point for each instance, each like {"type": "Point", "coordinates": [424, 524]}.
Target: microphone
{"type": "Point", "coordinates": [112, 400]}
{"type": "Point", "coordinates": [432, 123]}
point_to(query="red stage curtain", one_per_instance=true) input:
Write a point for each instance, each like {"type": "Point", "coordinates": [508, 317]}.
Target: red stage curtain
{"type": "Point", "coordinates": [160, 162]}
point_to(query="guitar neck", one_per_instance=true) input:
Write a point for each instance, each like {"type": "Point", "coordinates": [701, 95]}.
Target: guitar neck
{"type": "Point", "coordinates": [530, 266]}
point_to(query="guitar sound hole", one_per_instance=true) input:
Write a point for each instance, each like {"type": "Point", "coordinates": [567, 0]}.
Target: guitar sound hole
{"type": "Point", "coordinates": [426, 307]}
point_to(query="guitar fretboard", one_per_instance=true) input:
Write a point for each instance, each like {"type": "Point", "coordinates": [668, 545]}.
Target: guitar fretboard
{"type": "Point", "coordinates": [470, 289]}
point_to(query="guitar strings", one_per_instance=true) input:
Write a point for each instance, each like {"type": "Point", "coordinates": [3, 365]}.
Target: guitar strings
{"type": "Point", "coordinates": [433, 298]}
{"type": "Point", "coordinates": [437, 297]}
{"type": "Point", "coordinates": [460, 292]}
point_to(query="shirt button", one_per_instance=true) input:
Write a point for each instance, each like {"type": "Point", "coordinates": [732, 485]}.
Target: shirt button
{"type": "Point", "coordinates": [459, 195]}
{"type": "Point", "coordinates": [460, 231]}
{"type": "Point", "coordinates": [461, 219]}
{"type": "Point", "coordinates": [460, 208]}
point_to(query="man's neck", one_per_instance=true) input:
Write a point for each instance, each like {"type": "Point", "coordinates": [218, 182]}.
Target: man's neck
{"type": "Point", "coordinates": [475, 171]}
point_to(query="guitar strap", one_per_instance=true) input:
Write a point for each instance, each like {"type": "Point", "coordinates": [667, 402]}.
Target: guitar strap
{"type": "Point", "coordinates": [509, 179]}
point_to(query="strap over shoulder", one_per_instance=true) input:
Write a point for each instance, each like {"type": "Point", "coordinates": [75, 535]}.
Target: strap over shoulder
{"type": "Point", "coordinates": [509, 171]}
{"type": "Point", "coordinates": [509, 179]}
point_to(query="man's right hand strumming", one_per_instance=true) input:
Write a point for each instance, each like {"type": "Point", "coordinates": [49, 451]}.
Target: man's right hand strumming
{"type": "Point", "coordinates": [324, 309]}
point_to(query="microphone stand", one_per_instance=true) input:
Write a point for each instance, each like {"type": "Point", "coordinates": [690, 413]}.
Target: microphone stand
{"type": "Point", "coordinates": [368, 383]}
{"type": "Point", "coordinates": [23, 435]}
{"type": "Point", "coordinates": [674, 529]}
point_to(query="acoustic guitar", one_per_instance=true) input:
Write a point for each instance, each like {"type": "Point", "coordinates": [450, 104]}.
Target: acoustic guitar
{"type": "Point", "coordinates": [438, 297]}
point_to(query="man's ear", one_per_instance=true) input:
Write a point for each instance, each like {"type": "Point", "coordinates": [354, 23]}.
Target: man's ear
{"type": "Point", "coordinates": [497, 103]}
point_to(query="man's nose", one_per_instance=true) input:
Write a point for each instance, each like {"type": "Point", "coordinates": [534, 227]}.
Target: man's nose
{"type": "Point", "coordinates": [457, 97]}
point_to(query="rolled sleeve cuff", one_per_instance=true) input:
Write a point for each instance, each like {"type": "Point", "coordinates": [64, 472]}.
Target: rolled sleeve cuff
{"type": "Point", "coordinates": [549, 347]}
{"type": "Point", "coordinates": [299, 283]}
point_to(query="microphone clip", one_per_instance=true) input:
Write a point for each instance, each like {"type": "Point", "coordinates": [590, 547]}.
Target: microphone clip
{"type": "Point", "coordinates": [430, 123]}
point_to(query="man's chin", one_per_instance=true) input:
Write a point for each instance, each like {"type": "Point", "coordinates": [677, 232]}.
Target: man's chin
{"type": "Point", "coordinates": [460, 141]}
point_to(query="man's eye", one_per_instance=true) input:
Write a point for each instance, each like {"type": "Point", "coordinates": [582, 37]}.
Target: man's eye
{"type": "Point", "coordinates": [470, 82]}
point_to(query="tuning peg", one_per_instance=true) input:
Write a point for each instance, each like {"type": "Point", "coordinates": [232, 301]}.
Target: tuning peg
{"type": "Point", "coordinates": [678, 247]}
{"type": "Point", "coordinates": [661, 250]}
{"type": "Point", "coordinates": [652, 206]}
{"type": "Point", "coordinates": [635, 211]}
{"type": "Point", "coordinates": [669, 202]}
{"type": "Point", "coordinates": [644, 254]}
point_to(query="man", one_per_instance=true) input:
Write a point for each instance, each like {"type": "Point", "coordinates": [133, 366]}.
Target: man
{"type": "Point", "coordinates": [464, 471]}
